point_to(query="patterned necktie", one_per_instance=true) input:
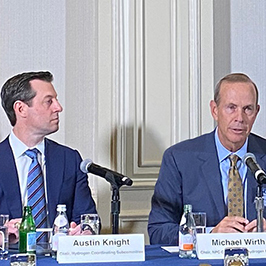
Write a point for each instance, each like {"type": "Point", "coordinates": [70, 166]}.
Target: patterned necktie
{"type": "Point", "coordinates": [36, 193]}
{"type": "Point", "coordinates": [235, 189]}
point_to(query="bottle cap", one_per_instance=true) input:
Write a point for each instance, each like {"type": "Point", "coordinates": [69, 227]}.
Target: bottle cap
{"type": "Point", "coordinates": [61, 207]}
{"type": "Point", "coordinates": [187, 208]}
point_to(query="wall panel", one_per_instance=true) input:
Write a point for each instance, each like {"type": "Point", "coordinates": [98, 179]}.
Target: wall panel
{"type": "Point", "coordinates": [157, 96]}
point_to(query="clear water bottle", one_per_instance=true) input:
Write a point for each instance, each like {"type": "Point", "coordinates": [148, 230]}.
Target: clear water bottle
{"type": "Point", "coordinates": [187, 234]}
{"type": "Point", "coordinates": [60, 227]}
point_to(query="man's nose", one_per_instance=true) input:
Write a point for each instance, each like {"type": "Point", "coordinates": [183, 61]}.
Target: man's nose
{"type": "Point", "coordinates": [58, 106]}
{"type": "Point", "coordinates": [240, 114]}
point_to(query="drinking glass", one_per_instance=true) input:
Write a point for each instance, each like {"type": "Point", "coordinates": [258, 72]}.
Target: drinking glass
{"type": "Point", "coordinates": [4, 218]}
{"type": "Point", "coordinates": [43, 247]}
{"type": "Point", "coordinates": [91, 222]}
{"type": "Point", "coordinates": [200, 221]}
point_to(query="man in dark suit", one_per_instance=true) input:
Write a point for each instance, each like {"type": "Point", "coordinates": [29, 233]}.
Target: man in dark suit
{"type": "Point", "coordinates": [30, 102]}
{"type": "Point", "coordinates": [196, 171]}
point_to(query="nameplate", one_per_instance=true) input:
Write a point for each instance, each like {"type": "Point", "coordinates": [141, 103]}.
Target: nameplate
{"type": "Point", "coordinates": [101, 248]}
{"type": "Point", "coordinates": [211, 246]}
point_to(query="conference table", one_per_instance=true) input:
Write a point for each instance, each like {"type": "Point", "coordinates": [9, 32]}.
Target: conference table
{"type": "Point", "coordinates": [154, 255]}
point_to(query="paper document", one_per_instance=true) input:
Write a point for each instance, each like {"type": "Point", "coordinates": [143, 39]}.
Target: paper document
{"type": "Point", "coordinates": [171, 249]}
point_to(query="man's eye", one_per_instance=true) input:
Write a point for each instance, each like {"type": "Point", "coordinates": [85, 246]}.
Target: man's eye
{"type": "Point", "coordinates": [231, 107]}
{"type": "Point", "coordinates": [249, 110]}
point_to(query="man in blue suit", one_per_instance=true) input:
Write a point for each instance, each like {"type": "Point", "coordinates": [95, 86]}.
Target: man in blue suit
{"type": "Point", "coordinates": [195, 171]}
{"type": "Point", "coordinates": [30, 102]}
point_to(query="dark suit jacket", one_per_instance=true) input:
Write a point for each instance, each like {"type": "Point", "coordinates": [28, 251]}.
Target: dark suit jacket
{"type": "Point", "coordinates": [66, 184]}
{"type": "Point", "coordinates": [190, 174]}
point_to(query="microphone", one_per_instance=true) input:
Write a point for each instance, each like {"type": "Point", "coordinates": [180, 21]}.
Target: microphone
{"type": "Point", "coordinates": [88, 166]}
{"type": "Point", "coordinates": [250, 160]}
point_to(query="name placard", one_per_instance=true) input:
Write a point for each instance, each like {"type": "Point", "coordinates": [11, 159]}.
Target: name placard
{"type": "Point", "coordinates": [101, 248]}
{"type": "Point", "coordinates": [211, 246]}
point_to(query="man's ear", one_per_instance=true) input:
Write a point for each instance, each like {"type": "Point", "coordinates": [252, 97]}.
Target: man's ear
{"type": "Point", "coordinates": [214, 109]}
{"type": "Point", "coordinates": [258, 108]}
{"type": "Point", "coordinates": [20, 108]}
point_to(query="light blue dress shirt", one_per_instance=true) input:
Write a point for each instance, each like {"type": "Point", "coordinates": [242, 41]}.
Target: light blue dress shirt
{"type": "Point", "coordinates": [224, 162]}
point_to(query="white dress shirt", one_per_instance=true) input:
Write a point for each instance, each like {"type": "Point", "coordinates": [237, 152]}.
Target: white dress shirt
{"type": "Point", "coordinates": [23, 163]}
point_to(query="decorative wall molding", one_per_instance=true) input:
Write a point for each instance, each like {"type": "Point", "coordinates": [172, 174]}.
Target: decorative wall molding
{"type": "Point", "coordinates": [195, 67]}
{"type": "Point", "coordinates": [134, 222]}
{"type": "Point", "coordinates": [144, 126]}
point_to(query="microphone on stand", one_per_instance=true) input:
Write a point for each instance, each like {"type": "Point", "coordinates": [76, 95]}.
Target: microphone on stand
{"type": "Point", "coordinates": [117, 180]}
{"type": "Point", "coordinates": [250, 160]}
{"type": "Point", "coordinates": [87, 166]}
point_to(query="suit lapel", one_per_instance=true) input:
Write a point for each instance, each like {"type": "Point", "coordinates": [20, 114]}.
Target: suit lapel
{"type": "Point", "coordinates": [211, 173]}
{"type": "Point", "coordinates": [54, 175]}
{"type": "Point", "coordinates": [251, 195]}
{"type": "Point", "coordinates": [9, 180]}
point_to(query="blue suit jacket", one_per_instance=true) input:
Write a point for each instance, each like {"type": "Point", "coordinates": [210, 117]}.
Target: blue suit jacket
{"type": "Point", "coordinates": [190, 174]}
{"type": "Point", "coordinates": [66, 184]}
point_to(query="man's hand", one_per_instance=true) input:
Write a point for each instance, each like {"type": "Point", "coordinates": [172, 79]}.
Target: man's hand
{"type": "Point", "coordinates": [232, 224]}
{"type": "Point", "coordinates": [13, 230]}
{"type": "Point", "coordinates": [252, 226]}
{"type": "Point", "coordinates": [76, 230]}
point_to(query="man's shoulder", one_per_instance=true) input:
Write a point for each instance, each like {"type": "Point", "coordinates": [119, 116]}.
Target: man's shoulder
{"type": "Point", "coordinates": [256, 143]}
{"type": "Point", "coordinates": [203, 145]}
{"type": "Point", "coordinates": [52, 144]}
{"type": "Point", "coordinates": [4, 141]}
{"type": "Point", "coordinates": [4, 144]}
{"type": "Point", "coordinates": [197, 143]}
{"type": "Point", "coordinates": [257, 137]}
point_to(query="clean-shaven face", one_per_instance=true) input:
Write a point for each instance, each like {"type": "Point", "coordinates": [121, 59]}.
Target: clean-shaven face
{"type": "Point", "coordinates": [43, 113]}
{"type": "Point", "coordinates": [235, 114]}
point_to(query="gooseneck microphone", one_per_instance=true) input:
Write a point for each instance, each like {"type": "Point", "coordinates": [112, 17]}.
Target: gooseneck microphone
{"type": "Point", "coordinates": [250, 160]}
{"type": "Point", "coordinates": [87, 166]}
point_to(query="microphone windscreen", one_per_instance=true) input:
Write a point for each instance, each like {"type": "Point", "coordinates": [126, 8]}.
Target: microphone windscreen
{"type": "Point", "coordinates": [249, 155]}
{"type": "Point", "coordinates": [84, 165]}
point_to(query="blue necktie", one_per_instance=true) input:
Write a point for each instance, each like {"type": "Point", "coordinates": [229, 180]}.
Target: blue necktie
{"type": "Point", "coordinates": [36, 193]}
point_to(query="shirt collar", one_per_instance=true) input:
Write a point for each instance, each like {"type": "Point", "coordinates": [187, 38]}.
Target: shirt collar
{"type": "Point", "coordinates": [19, 147]}
{"type": "Point", "coordinates": [223, 152]}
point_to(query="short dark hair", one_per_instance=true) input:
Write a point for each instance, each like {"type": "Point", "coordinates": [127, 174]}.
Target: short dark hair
{"type": "Point", "coordinates": [18, 88]}
{"type": "Point", "coordinates": [234, 78]}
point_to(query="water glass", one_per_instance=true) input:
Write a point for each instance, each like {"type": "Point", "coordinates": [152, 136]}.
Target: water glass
{"type": "Point", "coordinates": [200, 221]}
{"type": "Point", "coordinates": [91, 222]}
{"type": "Point", "coordinates": [236, 256]}
{"type": "Point", "coordinates": [4, 218]}
{"type": "Point", "coordinates": [44, 246]}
